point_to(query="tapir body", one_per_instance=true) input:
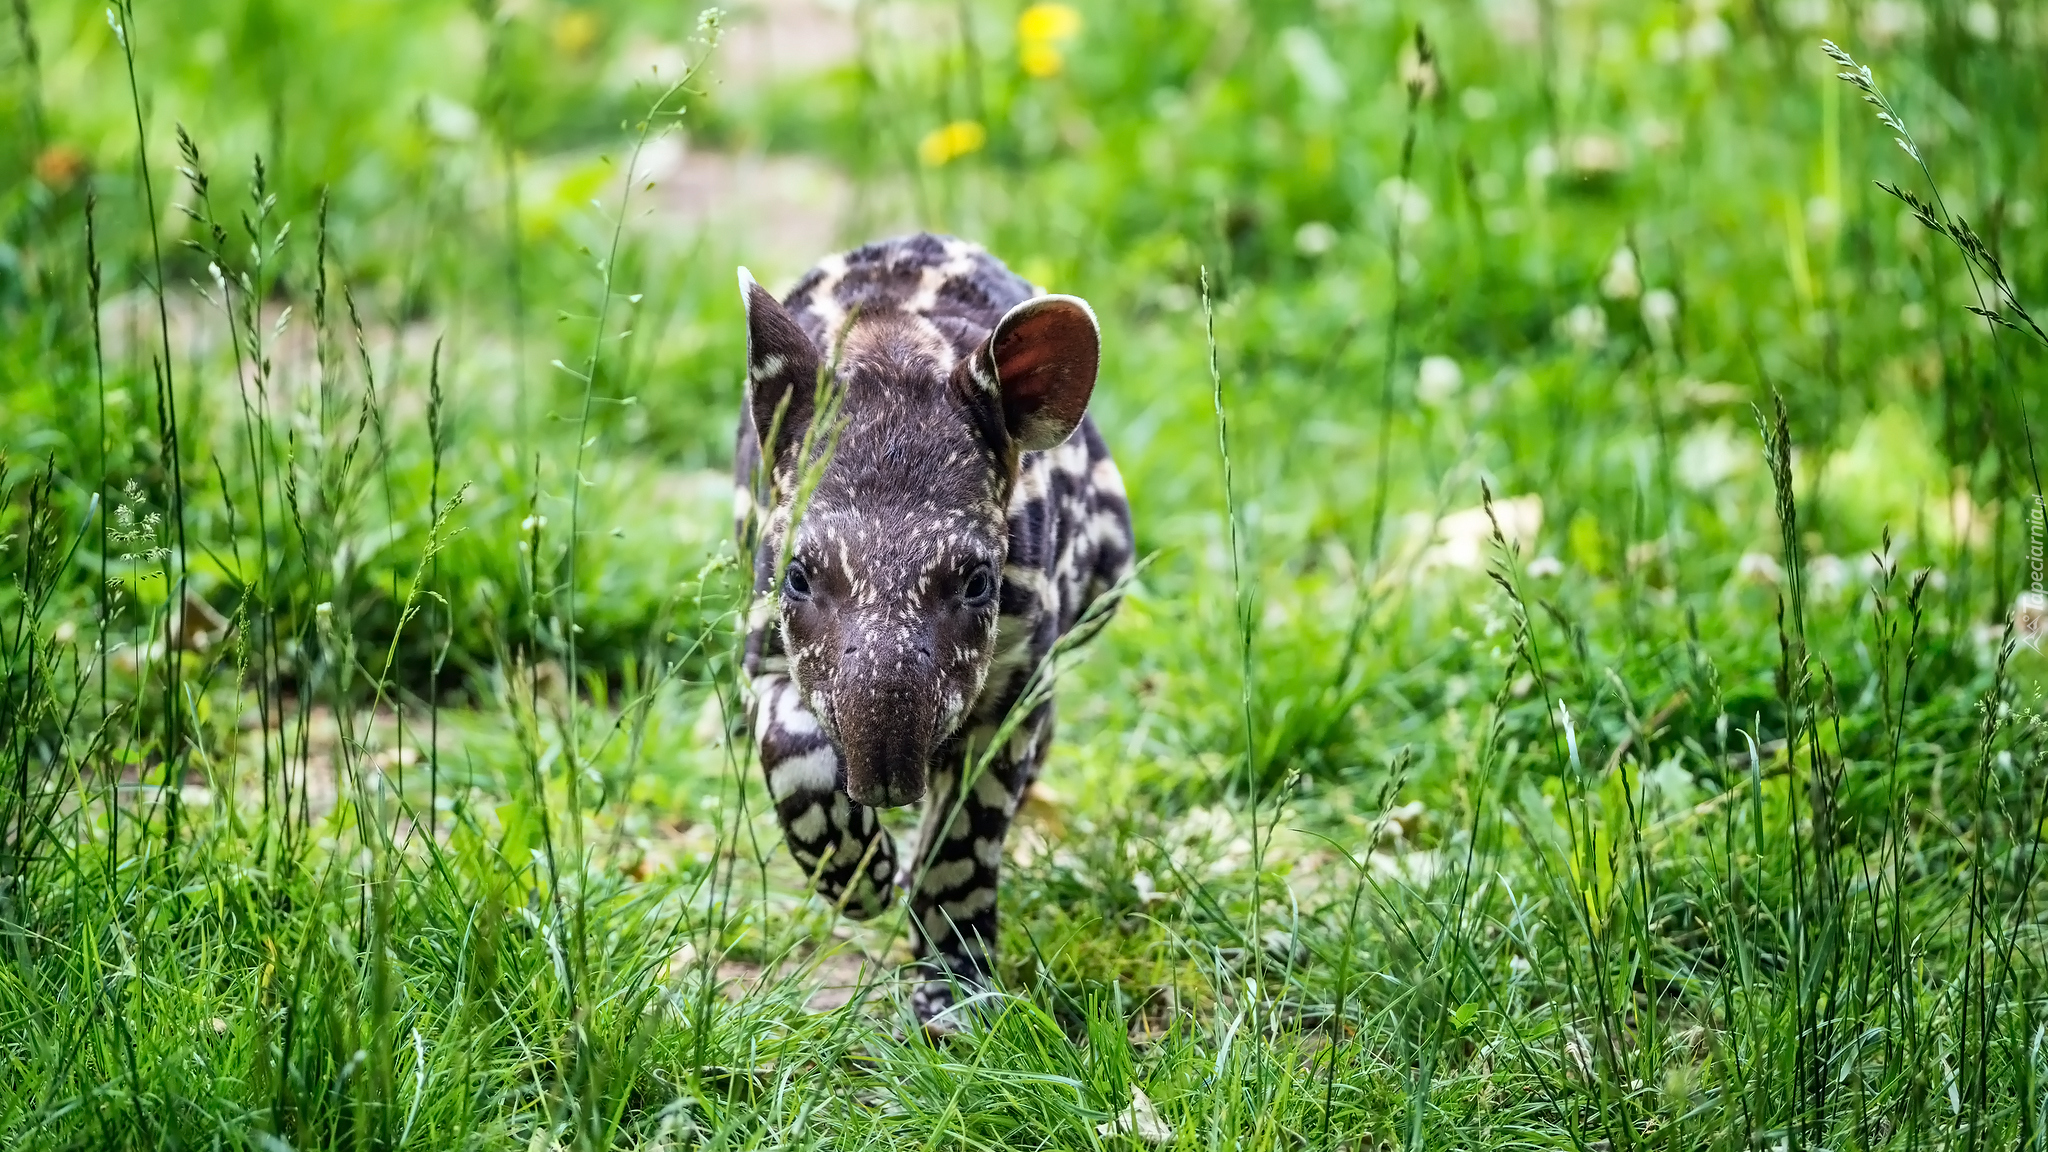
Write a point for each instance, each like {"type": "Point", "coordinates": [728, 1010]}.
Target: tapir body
{"type": "Point", "coordinates": [921, 543]}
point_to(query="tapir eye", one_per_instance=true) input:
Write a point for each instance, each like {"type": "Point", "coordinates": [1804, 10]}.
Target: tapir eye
{"type": "Point", "coordinates": [796, 584]}
{"type": "Point", "coordinates": [980, 587]}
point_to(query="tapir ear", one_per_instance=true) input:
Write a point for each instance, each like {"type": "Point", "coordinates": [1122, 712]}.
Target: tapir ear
{"type": "Point", "coordinates": [781, 362]}
{"type": "Point", "coordinates": [1044, 353]}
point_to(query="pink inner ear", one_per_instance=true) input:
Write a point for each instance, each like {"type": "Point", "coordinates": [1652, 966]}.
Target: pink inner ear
{"type": "Point", "coordinates": [1046, 361]}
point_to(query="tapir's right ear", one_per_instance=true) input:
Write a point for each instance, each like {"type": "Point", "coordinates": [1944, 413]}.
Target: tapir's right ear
{"type": "Point", "coordinates": [782, 368]}
{"type": "Point", "coordinates": [1045, 353]}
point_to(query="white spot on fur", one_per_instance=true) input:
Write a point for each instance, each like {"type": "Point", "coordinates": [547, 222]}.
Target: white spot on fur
{"type": "Point", "coordinates": [977, 901]}
{"type": "Point", "coordinates": [767, 687]}
{"type": "Point", "coordinates": [791, 716]}
{"type": "Point", "coordinates": [821, 301]}
{"type": "Point", "coordinates": [1101, 527]}
{"type": "Point", "coordinates": [809, 826]}
{"type": "Point", "coordinates": [1031, 580]}
{"type": "Point", "coordinates": [1033, 484]}
{"type": "Point", "coordinates": [1105, 478]}
{"type": "Point", "coordinates": [1071, 457]}
{"type": "Point", "coordinates": [949, 875]}
{"type": "Point", "coordinates": [989, 791]}
{"type": "Point", "coordinates": [935, 277]}
{"type": "Point", "coordinates": [814, 771]}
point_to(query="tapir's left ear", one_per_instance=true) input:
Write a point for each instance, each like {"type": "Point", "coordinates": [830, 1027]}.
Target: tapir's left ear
{"type": "Point", "coordinates": [782, 369]}
{"type": "Point", "coordinates": [1044, 354]}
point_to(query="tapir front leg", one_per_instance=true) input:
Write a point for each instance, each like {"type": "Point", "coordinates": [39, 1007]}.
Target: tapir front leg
{"type": "Point", "coordinates": [838, 842]}
{"type": "Point", "coordinates": [959, 865]}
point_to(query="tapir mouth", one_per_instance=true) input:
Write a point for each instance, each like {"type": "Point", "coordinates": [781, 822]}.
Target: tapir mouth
{"type": "Point", "coordinates": [888, 795]}
{"type": "Point", "coordinates": [887, 773]}
{"type": "Point", "coordinates": [886, 736]}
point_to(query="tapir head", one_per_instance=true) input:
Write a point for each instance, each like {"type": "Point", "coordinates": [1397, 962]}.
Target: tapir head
{"type": "Point", "coordinates": [888, 531]}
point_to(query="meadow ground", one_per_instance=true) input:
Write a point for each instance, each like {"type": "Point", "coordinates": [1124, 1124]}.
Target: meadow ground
{"type": "Point", "coordinates": [1582, 692]}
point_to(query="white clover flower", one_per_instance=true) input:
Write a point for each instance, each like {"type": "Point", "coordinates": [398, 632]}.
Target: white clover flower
{"type": "Point", "coordinates": [1622, 281]}
{"type": "Point", "coordinates": [1660, 310]}
{"type": "Point", "coordinates": [1406, 199]}
{"type": "Point", "coordinates": [1438, 379]}
{"type": "Point", "coordinates": [1596, 154]}
{"type": "Point", "coordinates": [1760, 568]}
{"type": "Point", "coordinates": [1314, 238]}
{"type": "Point", "coordinates": [1585, 326]}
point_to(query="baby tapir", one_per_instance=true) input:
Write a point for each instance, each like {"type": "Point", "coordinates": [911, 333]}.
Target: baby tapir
{"type": "Point", "coordinates": [965, 518]}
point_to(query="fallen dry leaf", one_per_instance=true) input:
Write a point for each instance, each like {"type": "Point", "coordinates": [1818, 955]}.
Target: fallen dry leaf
{"type": "Point", "coordinates": [1141, 1119]}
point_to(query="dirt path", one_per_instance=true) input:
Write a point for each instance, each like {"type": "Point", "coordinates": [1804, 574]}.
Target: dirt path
{"type": "Point", "coordinates": [778, 211]}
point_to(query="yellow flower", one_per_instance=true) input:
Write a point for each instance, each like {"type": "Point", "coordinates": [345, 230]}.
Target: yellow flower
{"type": "Point", "coordinates": [575, 31]}
{"type": "Point", "coordinates": [945, 145]}
{"type": "Point", "coordinates": [1040, 32]}
{"type": "Point", "coordinates": [1043, 22]}
{"type": "Point", "coordinates": [1040, 60]}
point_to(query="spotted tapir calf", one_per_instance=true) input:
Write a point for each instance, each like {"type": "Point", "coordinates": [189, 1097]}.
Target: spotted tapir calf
{"type": "Point", "coordinates": [965, 517]}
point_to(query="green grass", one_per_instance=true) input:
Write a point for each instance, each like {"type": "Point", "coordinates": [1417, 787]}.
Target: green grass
{"type": "Point", "coordinates": [1626, 733]}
